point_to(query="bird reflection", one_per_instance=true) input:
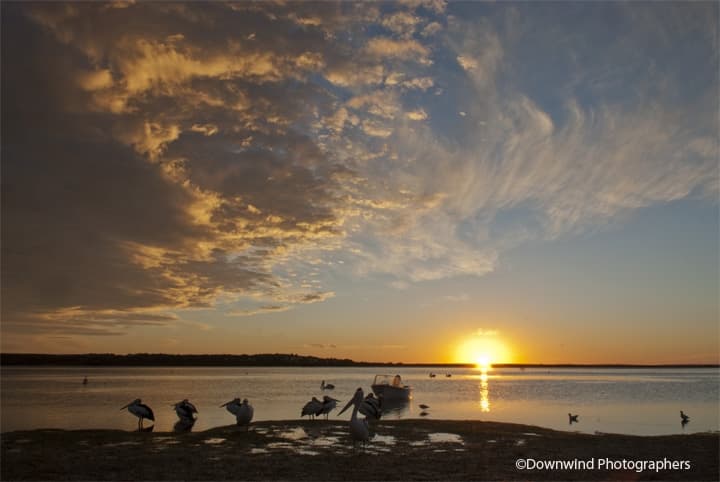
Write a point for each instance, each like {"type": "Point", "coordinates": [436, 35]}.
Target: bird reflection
{"type": "Point", "coordinates": [183, 425]}
{"type": "Point", "coordinates": [146, 429]}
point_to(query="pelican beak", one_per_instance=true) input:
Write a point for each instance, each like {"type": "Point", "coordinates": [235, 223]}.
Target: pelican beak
{"type": "Point", "coordinates": [347, 406]}
{"type": "Point", "coordinates": [126, 406]}
{"type": "Point", "coordinates": [225, 404]}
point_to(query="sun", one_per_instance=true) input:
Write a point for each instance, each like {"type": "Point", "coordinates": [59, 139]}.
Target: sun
{"type": "Point", "coordinates": [483, 351]}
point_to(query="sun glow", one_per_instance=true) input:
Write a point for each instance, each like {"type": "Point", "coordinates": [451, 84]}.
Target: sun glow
{"type": "Point", "coordinates": [483, 351]}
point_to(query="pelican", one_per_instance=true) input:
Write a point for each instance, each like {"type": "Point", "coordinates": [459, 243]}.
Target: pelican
{"type": "Point", "coordinates": [328, 405]}
{"type": "Point", "coordinates": [326, 386]}
{"type": "Point", "coordinates": [140, 410]}
{"type": "Point", "coordinates": [685, 418]}
{"type": "Point", "coordinates": [572, 418]}
{"type": "Point", "coordinates": [371, 407]}
{"type": "Point", "coordinates": [186, 411]}
{"type": "Point", "coordinates": [423, 406]}
{"type": "Point", "coordinates": [359, 430]}
{"type": "Point", "coordinates": [233, 406]}
{"type": "Point", "coordinates": [311, 408]}
{"type": "Point", "coordinates": [245, 414]}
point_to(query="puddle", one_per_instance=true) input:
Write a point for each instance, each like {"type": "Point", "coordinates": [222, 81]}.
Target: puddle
{"type": "Point", "coordinates": [306, 452]}
{"type": "Point", "coordinates": [259, 451]}
{"type": "Point", "coordinates": [384, 439]}
{"type": "Point", "coordinates": [532, 434]}
{"type": "Point", "coordinates": [23, 441]}
{"type": "Point", "coordinates": [261, 431]}
{"type": "Point", "coordinates": [325, 441]}
{"type": "Point", "coordinates": [214, 441]}
{"type": "Point", "coordinates": [419, 443]}
{"type": "Point", "coordinates": [121, 444]}
{"type": "Point", "coordinates": [492, 441]}
{"type": "Point", "coordinates": [459, 450]}
{"type": "Point", "coordinates": [520, 442]}
{"type": "Point", "coordinates": [294, 434]}
{"type": "Point", "coordinates": [439, 450]}
{"type": "Point", "coordinates": [450, 438]}
{"type": "Point", "coordinates": [280, 445]}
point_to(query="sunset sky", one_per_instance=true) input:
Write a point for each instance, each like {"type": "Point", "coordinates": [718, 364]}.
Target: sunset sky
{"type": "Point", "coordinates": [407, 181]}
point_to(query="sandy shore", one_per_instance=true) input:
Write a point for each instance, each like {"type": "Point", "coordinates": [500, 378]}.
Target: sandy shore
{"type": "Point", "coordinates": [320, 450]}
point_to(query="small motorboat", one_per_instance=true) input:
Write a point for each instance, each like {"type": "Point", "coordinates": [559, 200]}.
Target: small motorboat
{"type": "Point", "coordinates": [390, 387]}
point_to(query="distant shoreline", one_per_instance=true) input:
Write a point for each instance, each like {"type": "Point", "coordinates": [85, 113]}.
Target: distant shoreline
{"type": "Point", "coordinates": [275, 360]}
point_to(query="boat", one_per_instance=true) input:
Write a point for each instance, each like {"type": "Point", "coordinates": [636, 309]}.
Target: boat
{"type": "Point", "coordinates": [389, 387]}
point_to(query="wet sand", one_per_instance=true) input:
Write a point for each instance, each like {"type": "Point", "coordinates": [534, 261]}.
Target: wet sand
{"type": "Point", "coordinates": [321, 450]}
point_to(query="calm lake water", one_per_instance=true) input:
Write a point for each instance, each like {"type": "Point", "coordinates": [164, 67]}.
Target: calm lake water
{"type": "Point", "coordinates": [630, 401]}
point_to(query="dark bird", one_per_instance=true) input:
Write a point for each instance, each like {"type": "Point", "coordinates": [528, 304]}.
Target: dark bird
{"type": "Point", "coordinates": [423, 414]}
{"type": "Point", "coordinates": [448, 375]}
{"type": "Point", "coordinates": [85, 381]}
{"type": "Point", "coordinates": [326, 386]}
{"type": "Point", "coordinates": [371, 407]}
{"type": "Point", "coordinates": [572, 418]}
{"type": "Point", "coordinates": [312, 408]}
{"type": "Point", "coordinates": [140, 410]}
{"type": "Point", "coordinates": [685, 418]}
{"type": "Point", "coordinates": [186, 411]}
{"type": "Point", "coordinates": [432, 375]}
{"type": "Point", "coordinates": [328, 404]}
{"type": "Point", "coordinates": [423, 406]}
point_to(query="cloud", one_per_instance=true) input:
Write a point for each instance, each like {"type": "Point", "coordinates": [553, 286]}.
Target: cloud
{"type": "Point", "coordinates": [188, 155]}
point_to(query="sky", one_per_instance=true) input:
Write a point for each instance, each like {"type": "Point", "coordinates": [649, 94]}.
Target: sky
{"type": "Point", "coordinates": [410, 181]}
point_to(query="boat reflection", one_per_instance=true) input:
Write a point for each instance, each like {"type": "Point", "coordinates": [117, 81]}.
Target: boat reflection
{"type": "Point", "coordinates": [395, 408]}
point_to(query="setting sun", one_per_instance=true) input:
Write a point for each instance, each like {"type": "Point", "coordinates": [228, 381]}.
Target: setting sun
{"type": "Point", "coordinates": [483, 351]}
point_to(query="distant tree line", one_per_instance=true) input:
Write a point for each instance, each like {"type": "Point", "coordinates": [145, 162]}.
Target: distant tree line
{"type": "Point", "coordinates": [162, 359]}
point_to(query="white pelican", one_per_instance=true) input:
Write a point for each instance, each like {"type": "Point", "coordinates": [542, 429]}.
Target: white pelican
{"type": "Point", "coordinates": [371, 407]}
{"type": "Point", "coordinates": [326, 386]}
{"type": "Point", "coordinates": [572, 418]}
{"type": "Point", "coordinates": [328, 405]}
{"type": "Point", "coordinates": [140, 410]}
{"type": "Point", "coordinates": [359, 430]}
{"type": "Point", "coordinates": [186, 411]}
{"type": "Point", "coordinates": [245, 414]}
{"type": "Point", "coordinates": [312, 408]}
{"type": "Point", "coordinates": [685, 418]}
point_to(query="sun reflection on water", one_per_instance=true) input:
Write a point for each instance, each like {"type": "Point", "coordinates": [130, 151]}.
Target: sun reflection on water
{"type": "Point", "coordinates": [484, 391]}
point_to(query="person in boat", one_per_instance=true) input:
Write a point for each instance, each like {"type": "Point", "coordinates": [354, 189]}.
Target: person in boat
{"type": "Point", "coordinates": [396, 381]}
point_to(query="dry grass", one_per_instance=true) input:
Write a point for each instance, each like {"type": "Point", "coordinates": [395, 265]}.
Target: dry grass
{"type": "Point", "coordinates": [307, 450]}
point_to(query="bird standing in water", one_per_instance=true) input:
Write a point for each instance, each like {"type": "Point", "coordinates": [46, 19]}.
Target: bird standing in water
{"type": "Point", "coordinates": [572, 418]}
{"type": "Point", "coordinates": [186, 411]}
{"type": "Point", "coordinates": [140, 410]}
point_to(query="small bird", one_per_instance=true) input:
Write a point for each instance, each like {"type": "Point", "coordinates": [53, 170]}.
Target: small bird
{"type": "Point", "coordinates": [423, 414]}
{"type": "Point", "coordinates": [85, 381]}
{"type": "Point", "coordinates": [328, 404]}
{"type": "Point", "coordinates": [432, 375]}
{"type": "Point", "coordinates": [186, 411]}
{"type": "Point", "coordinates": [423, 406]}
{"type": "Point", "coordinates": [359, 430]}
{"type": "Point", "coordinates": [326, 386]}
{"type": "Point", "coordinates": [311, 408]}
{"type": "Point", "coordinates": [685, 418]}
{"type": "Point", "coordinates": [140, 410]}
{"type": "Point", "coordinates": [572, 418]}
{"type": "Point", "coordinates": [448, 375]}
{"type": "Point", "coordinates": [371, 407]}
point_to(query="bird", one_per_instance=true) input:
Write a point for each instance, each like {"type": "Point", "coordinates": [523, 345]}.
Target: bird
{"type": "Point", "coordinates": [423, 414]}
{"type": "Point", "coordinates": [233, 406]}
{"type": "Point", "coordinates": [186, 411]}
{"type": "Point", "coordinates": [423, 406]}
{"type": "Point", "coordinates": [140, 410]}
{"type": "Point", "coordinates": [685, 418]}
{"type": "Point", "coordinates": [245, 414]}
{"type": "Point", "coordinates": [85, 381]}
{"type": "Point", "coordinates": [328, 404]}
{"type": "Point", "coordinates": [359, 430]}
{"type": "Point", "coordinates": [326, 386]}
{"type": "Point", "coordinates": [311, 408]}
{"type": "Point", "coordinates": [572, 418]}
{"type": "Point", "coordinates": [371, 407]}
{"type": "Point", "coordinates": [448, 375]}
{"type": "Point", "coordinates": [432, 375]}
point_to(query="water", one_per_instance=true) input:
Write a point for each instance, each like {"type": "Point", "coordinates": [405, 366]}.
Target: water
{"type": "Point", "coordinates": [630, 401]}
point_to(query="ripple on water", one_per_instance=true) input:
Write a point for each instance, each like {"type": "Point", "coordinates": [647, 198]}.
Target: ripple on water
{"type": "Point", "coordinates": [384, 439]}
{"type": "Point", "coordinates": [259, 451]}
{"type": "Point", "coordinates": [297, 433]}
{"type": "Point", "coordinates": [451, 438]}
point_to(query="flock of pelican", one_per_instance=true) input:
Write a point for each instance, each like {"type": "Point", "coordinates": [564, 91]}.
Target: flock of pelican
{"type": "Point", "coordinates": [369, 406]}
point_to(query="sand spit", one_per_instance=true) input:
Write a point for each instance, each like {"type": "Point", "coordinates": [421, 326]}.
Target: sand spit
{"type": "Point", "coordinates": [320, 450]}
